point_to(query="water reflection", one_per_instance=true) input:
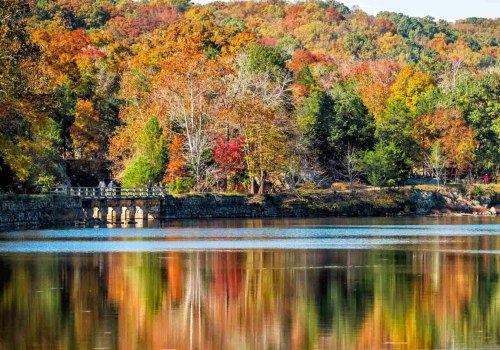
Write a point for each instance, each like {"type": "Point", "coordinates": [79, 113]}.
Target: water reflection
{"type": "Point", "coordinates": [287, 299]}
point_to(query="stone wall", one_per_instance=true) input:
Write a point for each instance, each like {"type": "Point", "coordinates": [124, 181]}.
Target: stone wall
{"type": "Point", "coordinates": [31, 212]}
{"type": "Point", "coordinates": [321, 203]}
{"type": "Point", "coordinates": [18, 212]}
{"type": "Point", "coordinates": [282, 205]}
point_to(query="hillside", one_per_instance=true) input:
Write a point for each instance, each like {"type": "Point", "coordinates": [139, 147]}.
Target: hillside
{"type": "Point", "coordinates": [242, 96]}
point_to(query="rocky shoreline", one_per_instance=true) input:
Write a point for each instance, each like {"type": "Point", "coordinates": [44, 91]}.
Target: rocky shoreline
{"type": "Point", "coordinates": [34, 212]}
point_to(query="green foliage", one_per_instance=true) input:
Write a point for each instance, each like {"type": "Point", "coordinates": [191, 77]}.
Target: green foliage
{"type": "Point", "coordinates": [386, 165]}
{"type": "Point", "coordinates": [478, 100]}
{"type": "Point", "coordinates": [46, 181]}
{"type": "Point", "coordinates": [396, 125]}
{"type": "Point", "coordinates": [181, 185]}
{"type": "Point", "coordinates": [152, 143]}
{"type": "Point", "coordinates": [151, 158]}
{"type": "Point", "coordinates": [313, 115]}
{"type": "Point", "coordinates": [264, 59]}
{"type": "Point", "coordinates": [305, 77]}
{"type": "Point", "coordinates": [360, 46]}
{"type": "Point", "coordinates": [181, 5]}
{"type": "Point", "coordinates": [478, 192]}
{"type": "Point", "coordinates": [139, 172]}
{"type": "Point", "coordinates": [350, 123]}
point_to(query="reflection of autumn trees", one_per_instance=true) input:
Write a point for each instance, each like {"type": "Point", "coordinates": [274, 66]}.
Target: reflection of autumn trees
{"type": "Point", "coordinates": [438, 305]}
{"type": "Point", "coordinates": [254, 299]}
{"type": "Point", "coordinates": [54, 302]}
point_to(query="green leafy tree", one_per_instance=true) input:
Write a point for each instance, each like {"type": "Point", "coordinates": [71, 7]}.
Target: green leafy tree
{"type": "Point", "coordinates": [151, 156]}
{"type": "Point", "coordinates": [396, 125]}
{"type": "Point", "coordinates": [478, 100]}
{"type": "Point", "coordinates": [386, 164]}
{"type": "Point", "coordinates": [264, 59]}
{"type": "Point", "coordinates": [351, 123]}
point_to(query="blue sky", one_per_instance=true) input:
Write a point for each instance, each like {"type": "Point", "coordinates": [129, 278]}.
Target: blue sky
{"type": "Point", "coordinates": [449, 10]}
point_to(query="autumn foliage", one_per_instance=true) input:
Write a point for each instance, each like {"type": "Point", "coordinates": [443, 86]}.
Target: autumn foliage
{"type": "Point", "coordinates": [299, 92]}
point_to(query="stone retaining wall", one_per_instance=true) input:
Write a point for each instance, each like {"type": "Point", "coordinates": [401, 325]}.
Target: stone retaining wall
{"type": "Point", "coordinates": [32, 212]}
{"type": "Point", "coordinates": [281, 205]}
{"type": "Point", "coordinates": [18, 212]}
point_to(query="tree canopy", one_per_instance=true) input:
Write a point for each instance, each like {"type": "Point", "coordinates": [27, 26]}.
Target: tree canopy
{"type": "Point", "coordinates": [247, 96]}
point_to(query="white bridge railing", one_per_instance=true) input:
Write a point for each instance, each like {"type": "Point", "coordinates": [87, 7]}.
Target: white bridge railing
{"type": "Point", "coordinates": [112, 193]}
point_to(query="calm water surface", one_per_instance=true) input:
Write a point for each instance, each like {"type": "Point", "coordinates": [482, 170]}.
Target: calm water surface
{"type": "Point", "coordinates": [254, 284]}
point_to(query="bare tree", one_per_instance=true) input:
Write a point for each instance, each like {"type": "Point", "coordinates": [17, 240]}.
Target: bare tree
{"type": "Point", "coordinates": [436, 161]}
{"type": "Point", "coordinates": [270, 87]}
{"type": "Point", "coordinates": [189, 89]}
{"type": "Point", "coordinates": [349, 169]}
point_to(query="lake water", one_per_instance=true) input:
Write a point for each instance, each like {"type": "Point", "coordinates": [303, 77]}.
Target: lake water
{"type": "Point", "coordinates": [392, 283]}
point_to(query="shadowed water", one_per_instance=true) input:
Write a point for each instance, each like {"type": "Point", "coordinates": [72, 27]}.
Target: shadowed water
{"type": "Point", "coordinates": [254, 284]}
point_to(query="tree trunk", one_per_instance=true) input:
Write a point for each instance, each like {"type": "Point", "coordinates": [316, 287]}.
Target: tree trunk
{"type": "Point", "coordinates": [261, 180]}
{"type": "Point", "coordinates": [252, 186]}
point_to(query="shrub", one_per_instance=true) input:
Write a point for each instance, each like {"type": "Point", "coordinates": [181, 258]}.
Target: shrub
{"type": "Point", "coordinates": [386, 165]}
{"type": "Point", "coordinates": [181, 185]}
{"type": "Point", "coordinates": [477, 192]}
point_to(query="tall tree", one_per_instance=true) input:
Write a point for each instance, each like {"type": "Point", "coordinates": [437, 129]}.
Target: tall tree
{"type": "Point", "coordinates": [28, 137]}
{"type": "Point", "coordinates": [190, 84]}
{"type": "Point", "coordinates": [150, 156]}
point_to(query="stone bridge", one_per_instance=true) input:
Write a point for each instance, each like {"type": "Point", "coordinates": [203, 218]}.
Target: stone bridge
{"type": "Point", "coordinates": [121, 209]}
{"type": "Point", "coordinates": [117, 204]}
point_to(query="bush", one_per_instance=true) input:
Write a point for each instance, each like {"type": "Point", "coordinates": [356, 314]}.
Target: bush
{"type": "Point", "coordinates": [386, 165]}
{"type": "Point", "coordinates": [478, 192]}
{"type": "Point", "coordinates": [181, 185]}
{"type": "Point", "coordinates": [46, 181]}
{"type": "Point", "coordinates": [139, 172]}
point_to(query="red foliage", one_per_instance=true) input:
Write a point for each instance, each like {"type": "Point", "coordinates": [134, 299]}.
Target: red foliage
{"type": "Point", "coordinates": [332, 14]}
{"type": "Point", "coordinates": [229, 155]}
{"type": "Point", "coordinates": [93, 53]}
{"type": "Point", "coordinates": [148, 18]}
{"type": "Point", "coordinates": [300, 59]}
{"type": "Point", "coordinates": [266, 41]}
{"type": "Point", "coordinates": [294, 17]}
{"type": "Point", "coordinates": [385, 25]}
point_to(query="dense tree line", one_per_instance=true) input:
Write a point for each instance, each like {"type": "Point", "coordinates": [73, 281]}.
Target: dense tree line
{"type": "Point", "coordinates": [247, 96]}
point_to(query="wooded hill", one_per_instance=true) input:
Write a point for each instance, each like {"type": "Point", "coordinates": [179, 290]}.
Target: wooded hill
{"type": "Point", "coordinates": [247, 96]}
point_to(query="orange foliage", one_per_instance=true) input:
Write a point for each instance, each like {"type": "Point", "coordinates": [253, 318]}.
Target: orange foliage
{"type": "Point", "coordinates": [300, 59]}
{"type": "Point", "coordinates": [450, 130]}
{"type": "Point", "coordinates": [61, 48]}
{"type": "Point", "coordinates": [176, 166]}
{"type": "Point", "coordinates": [85, 131]}
{"type": "Point", "coordinates": [375, 81]}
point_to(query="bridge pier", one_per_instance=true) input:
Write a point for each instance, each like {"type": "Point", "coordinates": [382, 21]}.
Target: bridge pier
{"type": "Point", "coordinates": [103, 209]}
{"type": "Point", "coordinates": [131, 213]}
{"type": "Point", "coordinates": [89, 214]}
{"type": "Point", "coordinates": [145, 210]}
{"type": "Point", "coordinates": [118, 214]}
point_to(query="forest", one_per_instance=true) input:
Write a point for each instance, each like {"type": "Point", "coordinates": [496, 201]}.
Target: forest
{"type": "Point", "coordinates": [243, 96]}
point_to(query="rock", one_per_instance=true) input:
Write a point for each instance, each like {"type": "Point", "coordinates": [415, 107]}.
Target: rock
{"type": "Point", "coordinates": [493, 211]}
{"type": "Point", "coordinates": [423, 201]}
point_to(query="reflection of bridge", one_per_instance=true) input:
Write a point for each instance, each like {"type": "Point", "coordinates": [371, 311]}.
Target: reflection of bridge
{"type": "Point", "coordinates": [117, 204]}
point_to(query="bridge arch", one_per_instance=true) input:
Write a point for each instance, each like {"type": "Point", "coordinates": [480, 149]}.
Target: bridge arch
{"type": "Point", "coordinates": [117, 210]}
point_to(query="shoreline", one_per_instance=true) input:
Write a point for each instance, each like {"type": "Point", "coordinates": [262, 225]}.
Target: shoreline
{"type": "Point", "coordinates": [22, 212]}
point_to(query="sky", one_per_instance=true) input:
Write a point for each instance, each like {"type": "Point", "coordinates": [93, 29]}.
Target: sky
{"type": "Point", "coordinates": [449, 10]}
